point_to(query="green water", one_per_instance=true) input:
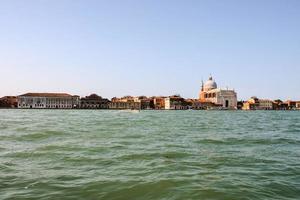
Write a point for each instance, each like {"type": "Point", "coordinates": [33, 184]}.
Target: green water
{"type": "Point", "coordinates": [98, 154]}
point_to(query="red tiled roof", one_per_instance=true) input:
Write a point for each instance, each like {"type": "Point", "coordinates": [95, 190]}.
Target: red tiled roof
{"type": "Point", "coordinates": [46, 95]}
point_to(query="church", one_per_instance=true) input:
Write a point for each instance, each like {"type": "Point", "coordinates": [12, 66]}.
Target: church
{"type": "Point", "coordinates": [224, 98]}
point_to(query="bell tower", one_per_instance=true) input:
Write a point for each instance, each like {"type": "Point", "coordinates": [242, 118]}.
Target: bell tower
{"type": "Point", "coordinates": [202, 93]}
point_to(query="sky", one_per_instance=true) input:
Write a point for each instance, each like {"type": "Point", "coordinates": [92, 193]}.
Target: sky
{"type": "Point", "coordinates": [150, 47]}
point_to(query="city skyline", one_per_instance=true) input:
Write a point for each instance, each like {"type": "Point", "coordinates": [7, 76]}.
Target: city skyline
{"type": "Point", "coordinates": [120, 48]}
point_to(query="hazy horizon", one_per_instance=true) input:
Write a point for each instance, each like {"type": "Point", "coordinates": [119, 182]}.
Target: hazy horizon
{"type": "Point", "coordinates": [117, 48]}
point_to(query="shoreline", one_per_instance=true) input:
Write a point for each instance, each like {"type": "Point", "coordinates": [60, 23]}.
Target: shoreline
{"type": "Point", "coordinates": [142, 109]}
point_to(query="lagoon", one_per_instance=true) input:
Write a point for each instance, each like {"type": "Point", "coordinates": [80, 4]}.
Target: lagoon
{"type": "Point", "coordinates": [109, 154]}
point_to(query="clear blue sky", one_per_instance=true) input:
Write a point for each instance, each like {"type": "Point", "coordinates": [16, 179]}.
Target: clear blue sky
{"type": "Point", "coordinates": [148, 47]}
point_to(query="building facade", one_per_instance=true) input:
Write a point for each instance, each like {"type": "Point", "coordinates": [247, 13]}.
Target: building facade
{"type": "Point", "coordinates": [126, 103]}
{"type": "Point", "coordinates": [255, 103]}
{"type": "Point", "coordinates": [227, 99]}
{"type": "Point", "coordinates": [298, 105]}
{"type": "Point", "coordinates": [159, 103]}
{"type": "Point", "coordinates": [94, 102]}
{"type": "Point", "coordinates": [293, 105]}
{"type": "Point", "coordinates": [48, 100]}
{"type": "Point", "coordinates": [175, 102]}
{"type": "Point", "coordinates": [280, 105]}
{"type": "Point", "coordinates": [265, 104]}
{"type": "Point", "coordinates": [146, 102]}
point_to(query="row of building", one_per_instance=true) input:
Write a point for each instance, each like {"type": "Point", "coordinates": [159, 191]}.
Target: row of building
{"type": "Point", "coordinates": [255, 103]}
{"type": "Point", "coordinates": [210, 97]}
{"type": "Point", "coordinates": [67, 101]}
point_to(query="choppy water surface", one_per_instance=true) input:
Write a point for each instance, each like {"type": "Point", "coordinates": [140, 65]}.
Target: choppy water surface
{"type": "Point", "coordinates": [98, 154]}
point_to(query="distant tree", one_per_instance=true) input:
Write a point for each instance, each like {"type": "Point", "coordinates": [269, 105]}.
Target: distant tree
{"type": "Point", "coordinates": [176, 95]}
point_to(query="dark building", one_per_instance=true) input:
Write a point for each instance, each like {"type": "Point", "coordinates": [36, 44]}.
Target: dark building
{"type": "Point", "coordinates": [94, 102]}
{"type": "Point", "coordinates": [292, 105]}
{"type": "Point", "coordinates": [9, 102]}
{"type": "Point", "coordinates": [146, 103]}
{"type": "Point", "coordinates": [280, 105]}
{"type": "Point", "coordinates": [240, 105]}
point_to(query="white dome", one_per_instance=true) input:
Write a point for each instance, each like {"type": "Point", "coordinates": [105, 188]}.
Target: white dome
{"type": "Point", "coordinates": [210, 84]}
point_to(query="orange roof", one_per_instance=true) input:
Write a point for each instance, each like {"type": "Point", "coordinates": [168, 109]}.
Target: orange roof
{"type": "Point", "coordinates": [46, 95]}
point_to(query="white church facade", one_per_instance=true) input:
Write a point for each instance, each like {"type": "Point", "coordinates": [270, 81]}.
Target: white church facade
{"type": "Point", "coordinates": [224, 98]}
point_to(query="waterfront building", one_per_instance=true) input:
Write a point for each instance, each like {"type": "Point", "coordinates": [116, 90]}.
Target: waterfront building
{"type": "Point", "coordinates": [159, 102]}
{"type": "Point", "coordinates": [126, 102]}
{"type": "Point", "coordinates": [212, 94]}
{"type": "Point", "coordinates": [255, 103]}
{"type": "Point", "coordinates": [240, 105]}
{"type": "Point", "coordinates": [48, 100]}
{"type": "Point", "coordinates": [251, 104]}
{"type": "Point", "coordinates": [94, 102]}
{"type": "Point", "coordinates": [279, 105]}
{"type": "Point", "coordinates": [124, 105]}
{"type": "Point", "coordinates": [292, 105]}
{"type": "Point", "coordinates": [175, 102]}
{"type": "Point", "coordinates": [298, 105]}
{"type": "Point", "coordinates": [265, 104]}
{"type": "Point", "coordinates": [196, 104]}
{"type": "Point", "coordinates": [124, 99]}
{"type": "Point", "coordinates": [8, 102]}
{"type": "Point", "coordinates": [146, 103]}
{"type": "Point", "coordinates": [193, 104]}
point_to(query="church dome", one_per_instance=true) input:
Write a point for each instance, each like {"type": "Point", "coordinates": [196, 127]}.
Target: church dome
{"type": "Point", "coordinates": [210, 84]}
